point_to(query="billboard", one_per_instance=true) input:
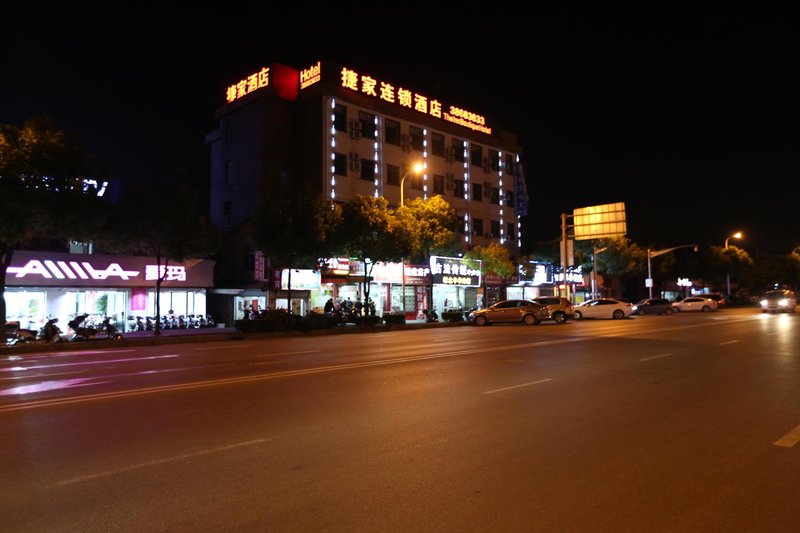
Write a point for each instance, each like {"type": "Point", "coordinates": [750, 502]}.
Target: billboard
{"type": "Point", "coordinates": [599, 221]}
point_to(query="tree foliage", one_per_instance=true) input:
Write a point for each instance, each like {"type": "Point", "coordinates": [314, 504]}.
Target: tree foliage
{"type": "Point", "coordinates": [494, 257]}
{"type": "Point", "coordinates": [295, 231]}
{"type": "Point", "coordinates": [50, 191]}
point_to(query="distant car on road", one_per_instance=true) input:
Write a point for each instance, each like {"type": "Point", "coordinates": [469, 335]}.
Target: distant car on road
{"type": "Point", "coordinates": [524, 311]}
{"type": "Point", "coordinates": [603, 308]}
{"type": "Point", "coordinates": [695, 303]}
{"type": "Point", "coordinates": [717, 297]}
{"type": "Point", "coordinates": [778, 301]}
{"type": "Point", "coordinates": [653, 306]}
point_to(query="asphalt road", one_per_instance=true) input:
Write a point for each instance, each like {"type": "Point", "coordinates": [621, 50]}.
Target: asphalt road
{"type": "Point", "coordinates": [675, 423]}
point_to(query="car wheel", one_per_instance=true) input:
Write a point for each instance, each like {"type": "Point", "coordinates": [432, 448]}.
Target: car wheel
{"type": "Point", "coordinates": [618, 314]}
{"type": "Point", "coordinates": [706, 309]}
{"type": "Point", "coordinates": [480, 321]}
{"type": "Point", "coordinates": [530, 320]}
{"type": "Point", "coordinates": [668, 311]}
{"type": "Point", "coordinates": [578, 315]}
{"type": "Point", "coordinates": [559, 318]}
{"type": "Point", "coordinates": [676, 309]}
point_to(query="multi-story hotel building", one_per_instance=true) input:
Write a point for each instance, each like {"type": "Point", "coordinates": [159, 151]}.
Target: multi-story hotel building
{"type": "Point", "coordinates": [343, 131]}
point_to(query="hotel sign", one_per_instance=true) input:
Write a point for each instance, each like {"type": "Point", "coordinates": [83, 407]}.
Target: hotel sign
{"type": "Point", "coordinates": [370, 86]}
{"type": "Point", "coordinates": [311, 75]}
{"type": "Point", "coordinates": [251, 83]}
{"type": "Point", "coordinates": [42, 269]}
{"type": "Point", "coordinates": [454, 271]}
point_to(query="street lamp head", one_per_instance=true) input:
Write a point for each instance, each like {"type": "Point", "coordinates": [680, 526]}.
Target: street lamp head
{"type": "Point", "coordinates": [417, 168]}
{"type": "Point", "coordinates": [737, 235]}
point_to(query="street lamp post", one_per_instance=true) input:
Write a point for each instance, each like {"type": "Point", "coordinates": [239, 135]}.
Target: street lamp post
{"type": "Point", "coordinates": [594, 268]}
{"type": "Point", "coordinates": [737, 235]}
{"type": "Point", "coordinates": [651, 254]}
{"type": "Point", "coordinates": [416, 169]}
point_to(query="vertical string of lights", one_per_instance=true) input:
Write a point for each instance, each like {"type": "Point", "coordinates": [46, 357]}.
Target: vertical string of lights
{"type": "Point", "coordinates": [502, 197]}
{"type": "Point", "coordinates": [519, 218]}
{"type": "Point", "coordinates": [467, 230]}
{"type": "Point", "coordinates": [425, 164]}
{"type": "Point", "coordinates": [332, 151]}
{"type": "Point", "coordinates": [376, 157]}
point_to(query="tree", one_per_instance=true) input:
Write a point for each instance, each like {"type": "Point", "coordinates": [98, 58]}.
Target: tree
{"type": "Point", "coordinates": [433, 226]}
{"type": "Point", "coordinates": [295, 231]}
{"type": "Point", "coordinates": [49, 191]}
{"type": "Point", "coordinates": [370, 232]}
{"type": "Point", "coordinates": [168, 226]}
{"type": "Point", "coordinates": [494, 257]}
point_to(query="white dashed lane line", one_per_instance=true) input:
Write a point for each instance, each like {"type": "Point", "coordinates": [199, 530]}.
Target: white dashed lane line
{"type": "Point", "coordinates": [790, 439]}
{"type": "Point", "coordinates": [518, 386]}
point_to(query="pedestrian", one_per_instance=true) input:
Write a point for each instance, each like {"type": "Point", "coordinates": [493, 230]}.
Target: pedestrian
{"type": "Point", "coordinates": [359, 306]}
{"type": "Point", "coordinates": [329, 306]}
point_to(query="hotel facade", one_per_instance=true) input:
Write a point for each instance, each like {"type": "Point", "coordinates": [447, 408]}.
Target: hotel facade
{"type": "Point", "coordinates": [341, 131]}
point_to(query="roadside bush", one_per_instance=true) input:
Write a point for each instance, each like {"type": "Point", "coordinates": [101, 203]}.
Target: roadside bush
{"type": "Point", "coordinates": [453, 316]}
{"type": "Point", "coordinates": [394, 319]}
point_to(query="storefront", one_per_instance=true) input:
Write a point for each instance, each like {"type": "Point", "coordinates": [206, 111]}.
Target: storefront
{"type": "Point", "coordinates": [44, 285]}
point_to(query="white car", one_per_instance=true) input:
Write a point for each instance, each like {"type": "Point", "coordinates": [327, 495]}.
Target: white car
{"type": "Point", "coordinates": [695, 303]}
{"type": "Point", "coordinates": [602, 308]}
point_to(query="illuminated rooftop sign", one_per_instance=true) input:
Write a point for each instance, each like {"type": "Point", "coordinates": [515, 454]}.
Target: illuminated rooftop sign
{"type": "Point", "coordinates": [249, 84]}
{"type": "Point", "coordinates": [600, 221]}
{"type": "Point", "coordinates": [311, 75]}
{"type": "Point", "coordinates": [370, 86]}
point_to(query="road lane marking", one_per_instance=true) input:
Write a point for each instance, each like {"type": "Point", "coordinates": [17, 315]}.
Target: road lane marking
{"type": "Point", "coordinates": [790, 439]}
{"type": "Point", "coordinates": [655, 357]}
{"type": "Point", "coordinates": [727, 342]}
{"type": "Point", "coordinates": [218, 347]}
{"type": "Point", "coordinates": [286, 353]}
{"type": "Point", "coordinates": [264, 377]}
{"type": "Point", "coordinates": [518, 386]}
{"type": "Point", "coordinates": [156, 462]}
{"type": "Point", "coordinates": [81, 363]}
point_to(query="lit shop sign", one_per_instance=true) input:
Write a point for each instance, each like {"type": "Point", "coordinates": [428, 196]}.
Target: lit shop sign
{"type": "Point", "coordinates": [536, 273]}
{"type": "Point", "coordinates": [311, 75]}
{"type": "Point", "coordinates": [365, 84]}
{"type": "Point", "coordinates": [82, 270]}
{"type": "Point", "coordinates": [574, 275]}
{"type": "Point", "coordinates": [248, 85]}
{"type": "Point", "coordinates": [302, 279]}
{"type": "Point", "coordinates": [454, 271]}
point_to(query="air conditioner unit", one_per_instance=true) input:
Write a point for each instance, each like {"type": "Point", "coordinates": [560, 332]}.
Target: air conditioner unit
{"type": "Point", "coordinates": [354, 156]}
{"type": "Point", "coordinates": [487, 164]}
{"type": "Point", "coordinates": [451, 185]}
{"type": "Point", "coordinates": [487, 185]}
{"type": "Point", "coordinates": [406, 138]}
{"type": "Point", "coordinates": [449, 154]}
{"type": "Point", "coordinates": [355, 165]}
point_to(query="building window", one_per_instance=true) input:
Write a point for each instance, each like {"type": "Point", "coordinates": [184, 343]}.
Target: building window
{"type": "Point", "coordinates": [477, 192]}
{"type": "Point", "coordinates": [477, 227]}
{"type": "Point", "coordinates": [340, 164]}
{"type": "Point", "coordinates": [367, 121]}
{"type": "Point", "coordinates": [228, 172]}
{"type": "Point", "coordinates": [249, 260]}
{"type": "Point", "coordinates": [494, 158]}
{"type": "Point", "coordinates": [510, 230]}
{"type": "Point", "coordinates": [340, 118]}
{"type": "Point", "coordinates": [438, 184]}
{"type": "Point", "coordinates": [458, 189]}
{"type": "Point", "coordinates": [437, 144]}
{"type": "Point", "coordinates": [510, 199]}
{"type": "Point", "coordinates": [510, 166]}
{"type": "Point", "coordinates": [417, 138]}
{"type": "Point", "coordinates": [458, 150]}
{"type": "Point", "coordinates": [367, 169]}
{"type": "Point", "coordinates": [392, 174]}
{"type": "Point", "coordinates": [495, 195]}
{"type": "Point", "coordinates": [392, 128]}
{"type": "Point", "coordinates": [494, 231]}
{"type": "Point", "coordinates": [476, 155]}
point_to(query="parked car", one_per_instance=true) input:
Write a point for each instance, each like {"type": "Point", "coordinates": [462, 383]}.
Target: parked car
{"type": "Point", "coordinates": [603, 308]}
{"type": "Point", "coordinates": [695, 303]}
{"type": "Point", "coordinates": [560, 308]}
{"type": "Point", "coordinates": [778, 301]}
{"type": "Point", "coordinates": [524, 311]}
{"type": "Point", "coordinates": [652, 306]}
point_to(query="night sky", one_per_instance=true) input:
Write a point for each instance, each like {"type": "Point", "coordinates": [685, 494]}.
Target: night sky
{"type": "Point", "coordinates": [690, 120]}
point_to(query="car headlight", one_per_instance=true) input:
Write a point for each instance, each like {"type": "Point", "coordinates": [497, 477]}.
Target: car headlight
{"type": "Point", "coordinates": [764, 303]}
